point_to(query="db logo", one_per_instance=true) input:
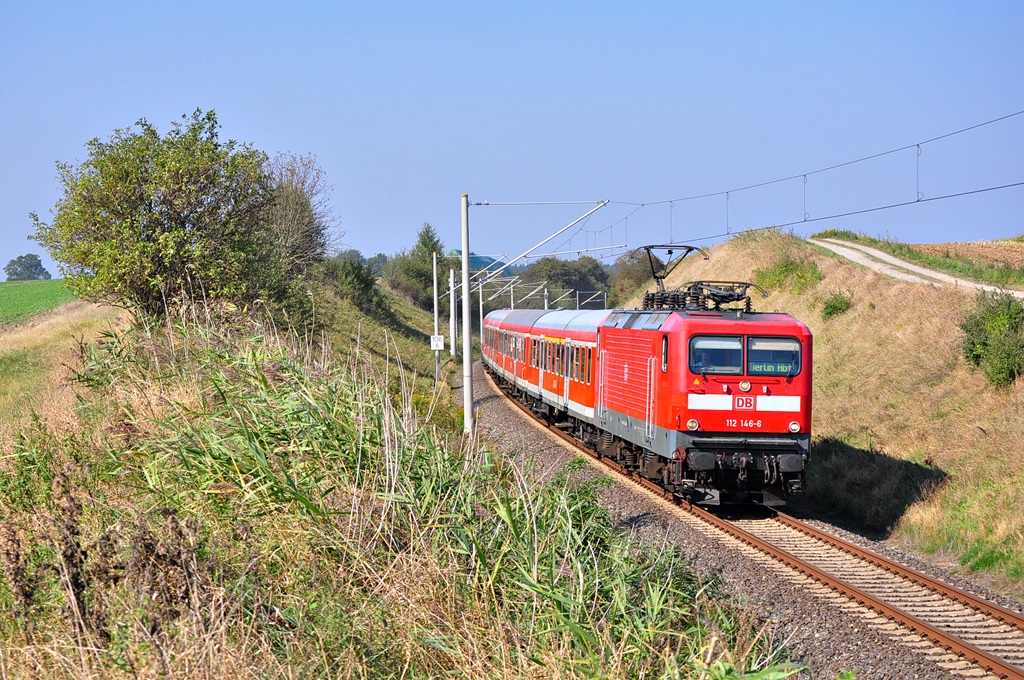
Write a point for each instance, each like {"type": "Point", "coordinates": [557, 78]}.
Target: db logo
{"type": "Point", "coordinates": [743, 403]}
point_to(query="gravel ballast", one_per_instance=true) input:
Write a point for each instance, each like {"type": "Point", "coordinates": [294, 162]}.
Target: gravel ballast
{"type": "Point", "coordinates": [824, 631]}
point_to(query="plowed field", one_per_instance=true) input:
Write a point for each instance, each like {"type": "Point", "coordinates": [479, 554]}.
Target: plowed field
{"type": "Point", "coordinates": [995, 253]}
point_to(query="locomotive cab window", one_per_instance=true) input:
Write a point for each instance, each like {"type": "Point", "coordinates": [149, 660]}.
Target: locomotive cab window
{"type": "Point", "coordinates": [773, 356]}
{"type": "Point", "coordinates": [719, 354]}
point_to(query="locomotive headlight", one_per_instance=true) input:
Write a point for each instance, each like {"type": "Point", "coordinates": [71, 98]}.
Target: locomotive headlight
{"type": "Point", "coordinates": [794, 426]}
{"type": "Point", "coordinates": [692, 424]}
{"type": "Point", "coordinates": [745, 386]}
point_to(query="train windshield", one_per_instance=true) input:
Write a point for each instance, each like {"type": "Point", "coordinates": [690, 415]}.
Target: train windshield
{"type": "Point", "coordinates": [730, 354]}
{"type": "Point", "coordinates": [716, 354]}
{"type": "Point", "coordinates": [773, 356]}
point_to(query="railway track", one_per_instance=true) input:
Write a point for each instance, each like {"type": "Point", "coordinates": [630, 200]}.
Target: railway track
{"type": "Point", "coordinates": [987, 635]}
{"type": "Point", "coordinates": [980, 638]}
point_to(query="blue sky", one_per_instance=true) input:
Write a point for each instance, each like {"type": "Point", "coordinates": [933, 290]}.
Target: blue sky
{"type": "Point", "coordinates": [409, 105]}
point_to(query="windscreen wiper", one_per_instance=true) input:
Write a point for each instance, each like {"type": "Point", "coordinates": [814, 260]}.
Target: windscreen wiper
{"type": "Point", "coordinates": [792, 365]}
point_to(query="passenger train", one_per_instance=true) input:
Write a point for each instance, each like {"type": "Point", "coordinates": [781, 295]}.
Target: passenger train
{"type": "Point", "coordinates": [695, 391]}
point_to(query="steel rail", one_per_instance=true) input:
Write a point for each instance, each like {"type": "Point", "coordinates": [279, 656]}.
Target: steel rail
{"type": "Point", "coordinates": [979, 657]}
{"type": "Point", "coordinates": [955, 645]}
{"type": "Point", "coordinates": [990, 609]}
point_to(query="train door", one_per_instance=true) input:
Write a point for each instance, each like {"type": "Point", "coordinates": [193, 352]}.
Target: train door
{"type": "Point", "coordinates": [559, 383]}
{"type": "Point", "coordinates": [516, 339]}
{"type": "Point", "coordinates": [542, 362]}
{"type": "Point", "coordinates": [567, 363]}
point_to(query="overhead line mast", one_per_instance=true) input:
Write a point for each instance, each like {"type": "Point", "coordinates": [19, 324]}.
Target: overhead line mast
{"type": "Point", "coordinates": [467, 336]}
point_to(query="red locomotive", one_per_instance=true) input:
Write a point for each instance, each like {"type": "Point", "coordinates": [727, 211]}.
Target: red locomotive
{"type": "Point", "coordinates": [709, 400]}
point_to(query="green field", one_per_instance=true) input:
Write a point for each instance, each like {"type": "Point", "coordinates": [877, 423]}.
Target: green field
{"type": "Point", "coordinates": [20, 300]}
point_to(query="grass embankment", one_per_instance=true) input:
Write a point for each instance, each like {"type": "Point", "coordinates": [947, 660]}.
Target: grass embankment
{"type": "Point", "coordinates": [20, 300]}
{"type": "Point", "coordinates": [909, 439]}
{"type": "Point", "coordinates": [231, 502]}
{"type": "Point", "coordinates": [1001, 266]}
{"type": "Point", "coordinates": [29, 354]}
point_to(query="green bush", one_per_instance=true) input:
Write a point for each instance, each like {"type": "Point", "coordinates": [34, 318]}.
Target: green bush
{"type": "Point", "coordinates": [151, 222]}
{"type": "Point", "coordinates": [357, 282]}
{"type": "Point", "coordinates": [993, 339]}
{"type": "Point", "coordinates": [146, 217]}
{"type": "Point", "coordinates": [789, 273]}
{"type": "Point", "coordinates": [836, 304]}
{"type": "Point", "coordinates": [844, 234]}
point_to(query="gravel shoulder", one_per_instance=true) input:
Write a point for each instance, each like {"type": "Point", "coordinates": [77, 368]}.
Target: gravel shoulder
{"type": "Point", "coordinates": [826, 632]}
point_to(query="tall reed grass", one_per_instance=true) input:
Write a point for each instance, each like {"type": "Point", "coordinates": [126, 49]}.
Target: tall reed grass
{"type": "Point", "coordinates": [244, 504]}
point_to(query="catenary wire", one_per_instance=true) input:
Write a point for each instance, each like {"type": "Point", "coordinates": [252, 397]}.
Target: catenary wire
{"type": "Point", "coordinates": [858, 212]}
{"type": "Point", "coordinates": [828, 168]}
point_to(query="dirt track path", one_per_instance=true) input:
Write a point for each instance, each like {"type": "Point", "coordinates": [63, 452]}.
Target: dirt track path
{"type": "Point", "coordinates": [884, 263]}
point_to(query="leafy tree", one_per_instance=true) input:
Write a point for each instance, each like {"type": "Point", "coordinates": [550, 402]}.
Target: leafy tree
{"type": "Point", "coordinates": [376, 263]}
{"type": "Point", "coordinates": [26, 268]}
{"type": "Point", "coordinates": [427, 243]}
{"type": "Point", "coordinates": [632, 272]}
{"type": "Point", "coordinates": [295, 239]}
{"type": "Point", "coordinates": [350, 255]}
{"type": "Point", "coordinates": [146, 220]}
{"type": "Point", "coordinates": [412, 273]}
{"type": "Point", "coordinates": [356, 279]}
{"type": "Point", "coordinates": [300, 215]}
{"type": "Point", "coordinates": [582, 274]}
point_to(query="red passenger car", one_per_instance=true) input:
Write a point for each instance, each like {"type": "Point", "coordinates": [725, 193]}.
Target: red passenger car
{"type": "Point", "coordinates": [708, 400]}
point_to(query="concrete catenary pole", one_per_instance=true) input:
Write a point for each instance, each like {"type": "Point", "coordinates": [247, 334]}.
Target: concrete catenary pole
{"type": "Point", "coordinates": [467, 324]}
{"type": "Point", "coordinates": [437, 326]}
{"type": "Point", "coordinates": [452, 332]}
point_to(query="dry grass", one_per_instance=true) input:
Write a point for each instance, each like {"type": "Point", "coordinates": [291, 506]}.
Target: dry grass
{"type": "Point", "coordinates": [994, 253]}
{"type": "Point", "coordinates": [34, 357]}
{"type": "Point", "coordinates": [890, 384]}
{"type": "Point", "coordinates": [232, 505]}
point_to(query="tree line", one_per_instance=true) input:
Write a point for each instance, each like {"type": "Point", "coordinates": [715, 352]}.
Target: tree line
{"type": "Point", "coordinates": [152, 221]}
{"type": "Point", "coordinates": [410, 274]}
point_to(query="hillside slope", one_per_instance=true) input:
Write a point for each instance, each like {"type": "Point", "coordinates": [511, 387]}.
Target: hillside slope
{"type": "Point", "coordinates": [34, 357]}
{"type": "Point", "coordinates": [909, 438]}
{"type": "Point", "coordinates": [223, 498]}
